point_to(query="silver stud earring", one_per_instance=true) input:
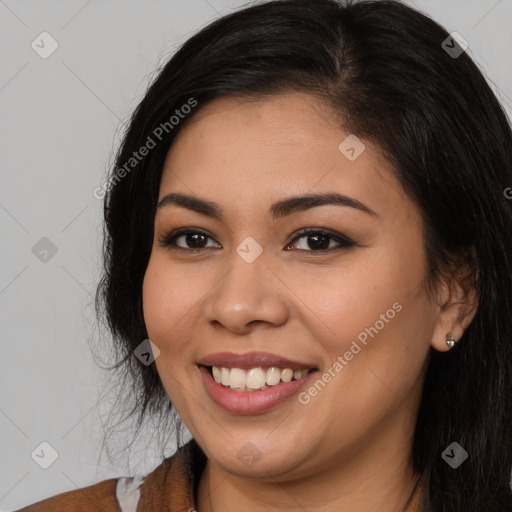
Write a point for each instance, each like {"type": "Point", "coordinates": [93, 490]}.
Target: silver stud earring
{"type": "Point", "coordinates": [449, 340]}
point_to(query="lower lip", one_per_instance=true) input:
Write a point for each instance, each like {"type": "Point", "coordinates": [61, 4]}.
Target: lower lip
{"type": "Point", "coordinates": [251, 402]}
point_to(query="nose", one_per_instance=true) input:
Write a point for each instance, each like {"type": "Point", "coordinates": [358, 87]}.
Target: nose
{"type": "Point", "coordinates": [248, 294]}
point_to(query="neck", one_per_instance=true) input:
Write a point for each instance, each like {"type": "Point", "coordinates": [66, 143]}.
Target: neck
{"type": "Point", "coordinates": [380, 481]}
{"type": "Point", "coordinates": [220, 491]}
{"type": "Point", "coordinates": [372, 474]}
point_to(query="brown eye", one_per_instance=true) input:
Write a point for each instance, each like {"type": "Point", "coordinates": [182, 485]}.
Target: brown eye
{"type": "Point", "coordinates": [320, 240]}
{"type": "Point", "coordinates": [193, 239]}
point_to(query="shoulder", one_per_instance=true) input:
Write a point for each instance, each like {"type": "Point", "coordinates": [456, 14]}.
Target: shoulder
{"type": "Point", "coordinates": [168, 487]}
{"type": "Point", "coordinates": [113, 495]}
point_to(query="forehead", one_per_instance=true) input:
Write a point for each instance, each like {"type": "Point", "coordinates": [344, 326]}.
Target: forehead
{"type": "Point", "coordinates": [249, 150]}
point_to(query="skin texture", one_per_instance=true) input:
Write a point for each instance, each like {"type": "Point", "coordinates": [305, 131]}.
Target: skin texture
{"type": "Point", "coordinates": [356, 434]}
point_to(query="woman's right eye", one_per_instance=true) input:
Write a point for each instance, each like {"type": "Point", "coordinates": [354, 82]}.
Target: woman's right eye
{"type": "Point", "coordinates": [194, 239]}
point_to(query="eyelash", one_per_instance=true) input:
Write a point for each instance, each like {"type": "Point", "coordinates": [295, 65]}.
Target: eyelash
{"type": "Point", "coordinates": [169, 240]}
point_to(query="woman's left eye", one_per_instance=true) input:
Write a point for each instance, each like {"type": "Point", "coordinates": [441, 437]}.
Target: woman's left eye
{"type": "Point", "coordinates": [317, 240]}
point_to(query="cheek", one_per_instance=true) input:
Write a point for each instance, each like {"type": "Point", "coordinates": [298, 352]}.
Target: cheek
{"type": "Point", "coordinates": [369, 291]}
{"type": "Point", "coordinates": [377, 312]}
{"type": "Point", "coordinates": [155, 302]}
{"type": "Point", "coordinates": [168, 298]}
{"type": "Point", "coordinates": [168, 307]}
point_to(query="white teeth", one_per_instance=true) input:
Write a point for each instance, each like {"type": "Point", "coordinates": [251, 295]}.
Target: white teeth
{"type": "Point", "coordinates": [273, 376]}
{"type": "Point", "coordinates": [255, 378]}
{"type": "Point", "coordinates": [217, 372]}
{"type": "Point", "coordinates": [237, 378]}
{"type": "Point", "coordinates": [225, 376]}
{"type": "Point", "coordinates": [286, 375]}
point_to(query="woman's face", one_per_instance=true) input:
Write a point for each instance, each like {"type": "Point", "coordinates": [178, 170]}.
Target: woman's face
{"type": "Point", "coordinates": [357, 313]}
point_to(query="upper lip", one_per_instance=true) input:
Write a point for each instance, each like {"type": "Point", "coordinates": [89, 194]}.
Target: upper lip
{"type": "Point", "coordinates": [252, 360]}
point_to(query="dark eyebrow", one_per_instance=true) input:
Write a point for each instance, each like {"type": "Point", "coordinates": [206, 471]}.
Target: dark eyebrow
{"type": "Point", "coordinates": [277, 210]}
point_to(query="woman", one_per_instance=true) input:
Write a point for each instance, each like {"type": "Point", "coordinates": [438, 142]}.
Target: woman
{"type": "Point", "coordinates": [309, 219]}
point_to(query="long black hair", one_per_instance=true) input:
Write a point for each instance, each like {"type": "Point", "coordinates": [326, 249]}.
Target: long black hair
{"type": "Point", "coordinates": [392, 76]}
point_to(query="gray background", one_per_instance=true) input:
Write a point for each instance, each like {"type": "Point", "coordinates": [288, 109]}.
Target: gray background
{"type": "Point", "coordinates": [61, 119]}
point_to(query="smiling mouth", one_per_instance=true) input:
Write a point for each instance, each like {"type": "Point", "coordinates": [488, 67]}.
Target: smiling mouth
{"type": "Point", "coordinates": [255, 379]}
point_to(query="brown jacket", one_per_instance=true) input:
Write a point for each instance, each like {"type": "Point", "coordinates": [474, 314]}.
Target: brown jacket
{"type": "Point", "coordinates": [171, 487]}
{"type": "Point", "coordinates": [168, 488]}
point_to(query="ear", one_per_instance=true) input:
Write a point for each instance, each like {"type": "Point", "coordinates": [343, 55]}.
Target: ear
{"type": "Point", "coordinates": [457, 303]}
